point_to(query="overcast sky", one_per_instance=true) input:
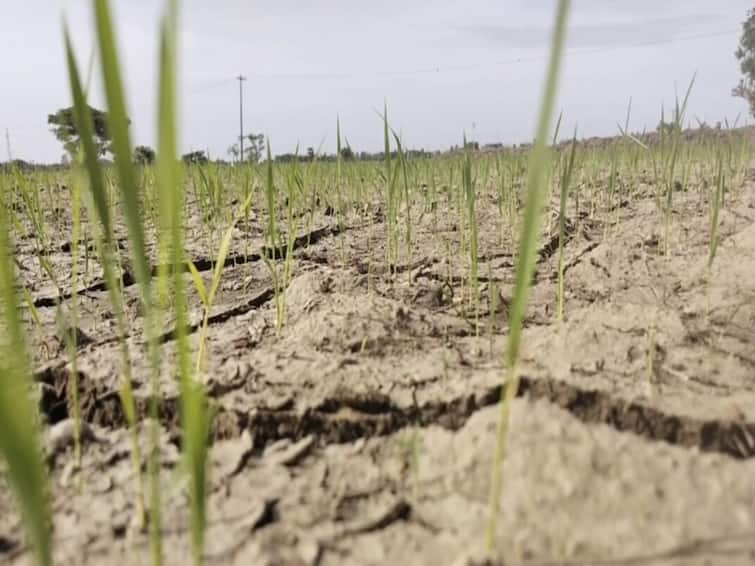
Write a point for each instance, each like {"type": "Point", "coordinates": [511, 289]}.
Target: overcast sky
{"type": "Point", "coordinates": [445, 67]}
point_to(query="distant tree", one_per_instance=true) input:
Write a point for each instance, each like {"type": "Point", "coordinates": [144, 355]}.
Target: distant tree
{"type": "Point", "coordinates": [347, 153]}
{"type": "Point", "coordinates": [233, 152]}
{"type": "Point", "coordinates": [310, 153]}
{"type": "Point", "coordinates": [745, 53]}
{"type": "Point", "coordinates": [64, 128]}
{"type": "Point", "coordinates": [254, 148]}
{"type": "Point", "coordinates": [286, 158]}
{"type": "Point", "coordinates": [195, 158]}
{"type": "Point", "coordinates": [16, 165]}
{"type": "Point", "coordinates": [144, 155]}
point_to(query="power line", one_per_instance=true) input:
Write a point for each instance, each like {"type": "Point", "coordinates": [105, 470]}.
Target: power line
{"type": "Point", "coordinates": [7, 145]}
{"type": "Point", "coordinates": [205, 86]}
{"type": "Point", "coordinates": [496, 63]}
{"type": "Point", "coordinates": [215, 84]}
{"type": "Point", "coordinates": [241, 80]}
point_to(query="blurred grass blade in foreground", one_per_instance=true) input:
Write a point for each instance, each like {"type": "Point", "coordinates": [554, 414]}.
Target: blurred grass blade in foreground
{"type": "Point", "coordinates": [19, 429]}
{"type": "Point", "coordinates": [105, 246]}
{"type": "Point", "coordinates": [195, 414]}
{"type": "Point", "coordinates": [118, 128]}
{"type": "Point", "coordinates": [528, 248]}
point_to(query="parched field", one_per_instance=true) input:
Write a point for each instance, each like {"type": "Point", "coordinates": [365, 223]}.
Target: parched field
{"type": "Point", "coordinates": [362, 431]}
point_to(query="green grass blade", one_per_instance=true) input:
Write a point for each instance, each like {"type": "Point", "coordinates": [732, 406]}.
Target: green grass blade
{"type": "Point", "coordinates": [528, 244]}
{"type": "Point", "coordinates": [537, 173]}
{"type": "Point", "coordinates": [557, 129]}
{"type": "Point", "coordinates": [84, 125]}
{"type": "Point", "coordinates": [225, 246]}
{"type": "Point", "coordinates": [198, 282]}
{"type": "Point", "coordinates": [195, 418]}
{"type": "Point", "coordinates": [101, 210]}
{"type": "Point", "coordinates": [118, 128]}
{"type": "Point", "coordinates": [626, 119]}
{"type": "Point", "coordinates": [565, 183]}
{"type": "Point", "coordinates": [471, 198]}
{"type": "Point", "coordinates": [386, 142]}
{"type": "Point", "coordinates": [118, 124]}
{"type": "Point", "coordinates": [679, 118]}
{"type": "Point", "coordinates": [407, 199]}
{"type": "Point", "coordinates": [271, 204]}
{"type": "Point", "coordinates": [718, 194]}
{"type": "Point", "coordinates": [19, 439]}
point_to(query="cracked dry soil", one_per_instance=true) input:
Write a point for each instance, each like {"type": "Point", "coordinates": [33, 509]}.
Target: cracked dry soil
{"type": "Point", "coordinates": [364, 433]}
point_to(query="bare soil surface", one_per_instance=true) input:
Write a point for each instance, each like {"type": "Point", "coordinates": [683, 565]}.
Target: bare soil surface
{"type": "Point", "coordinates": [364, 432]}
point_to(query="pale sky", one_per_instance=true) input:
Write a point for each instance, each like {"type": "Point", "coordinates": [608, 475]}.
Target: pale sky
{"type": "Point", "coordinates": [444, 67]}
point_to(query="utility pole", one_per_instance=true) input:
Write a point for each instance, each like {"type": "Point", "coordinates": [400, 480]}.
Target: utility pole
{"type": "Point", "coordinates": [7, 145]}
{"type": "Point", "coordinates": [241, 80]}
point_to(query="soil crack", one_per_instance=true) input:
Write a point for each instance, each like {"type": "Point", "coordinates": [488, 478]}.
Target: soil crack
{"type": "Point", "coordinates": [346, 417]}
{"type": "Point", "coordinates": [203, 264]}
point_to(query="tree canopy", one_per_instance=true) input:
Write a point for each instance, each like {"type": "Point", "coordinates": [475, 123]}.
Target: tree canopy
{"type": "Point", "coordinates": [64, 127]}
{"type": "Point", "coordinates": [347, 153]}
{"type": "Point", "coordinates": [746, 55]}
{"type": "Point", "coordinates": [254, 148]}
{"type": "Point", "coordinates": [144, 155]}
{"type": "Point", "coordinates": [195, 158]}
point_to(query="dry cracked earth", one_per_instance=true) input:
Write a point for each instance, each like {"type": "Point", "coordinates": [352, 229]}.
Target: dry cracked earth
{"type": "Point", "coordinates": [364, 433]}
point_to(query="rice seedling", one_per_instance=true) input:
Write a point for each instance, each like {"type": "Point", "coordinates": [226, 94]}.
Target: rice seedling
{"type": "Point", "coordinates": [532, 222]}
{"type": "Point", "coordinates": [118, 125]}
{"type": "Point", "coordinates": [292, 226]}
{"type": "Point", "coordinates": [101, 209]}
{"type": "Point", "coordinates": [494, 303]}
{"type": "Point", "coordinates": [567, 169]}
{"type": "Point", "coordinates": [611, 206]}
{"type": "Point", "coordinates": [195, 416]}
{"type": "Point", "coordinates": [392, 199]}
{"type": "Point", "coordinates": [71, 333]}
{"type": "Point", "coordinates": [271, 251]}
{"type": "Point", "coordinates": [670, 183]}
{"type": "Point", "coordinates": [20, 445]}
{"type": "Point", "coordinates": [469, 193]}
{"type": "Point", "coordinates": [501, 198]}
{"type": "Point", "coordinates": [35, 319]}
{"type": "Point", "coordinates": [208, 296]}
{"type": "Point", "coordinates": [715, 206]}
{"type": "Point", "coordinates": [407, 197]}
{"type": "Point", "coordinates": [339, 192]}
